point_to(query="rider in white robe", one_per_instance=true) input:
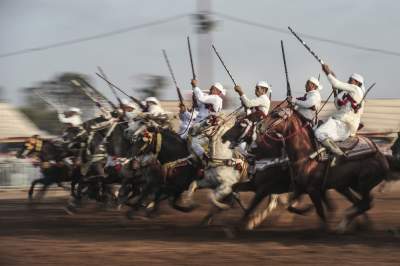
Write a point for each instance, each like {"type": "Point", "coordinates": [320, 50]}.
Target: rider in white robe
{"type": "Point", "coordinates": [154, 106]}
{"type": "Point", "coordinates": [71, 117]}
{"type": "Point", "coordinates": [262, 102]}
{"type": "Point", "coordinates": [345, 121]}
{"type": "Point", "coordinates": [187, 118]}
{"type": "Point", "coordinates": [207, 105]}
{"type": "Point", "coordinates": [309, 104]}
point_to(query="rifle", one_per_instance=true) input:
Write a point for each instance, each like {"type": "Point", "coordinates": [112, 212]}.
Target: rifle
{"type": "Point", "coordinates": [191, 58]}
{"type": "Point", "coordinates": [111, 87]}
{"type": "Point", "coordinates": [365, 95]}
{"type": "Point", "coordinates": [173, 78]}
{"type": "Point", "coordinates": [288, 89]}
{"type": "Point", "coordinates": [91, 97]}
{"type": "Point", "coordinates": [306, 46]}
{"type": "Point", "coordinates": [99, 93]}
{"type": "Point", "coordinates": [220, 59]}
{"type": "Point", "coordinates": [138, 102]}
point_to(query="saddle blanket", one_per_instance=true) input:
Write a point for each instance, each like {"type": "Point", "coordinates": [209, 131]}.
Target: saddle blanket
{"type": "Point", "coordinates": [354, 147]}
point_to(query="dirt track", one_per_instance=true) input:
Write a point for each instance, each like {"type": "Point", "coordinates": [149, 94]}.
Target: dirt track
{"type": "Point", "coordinates": [43, 234]}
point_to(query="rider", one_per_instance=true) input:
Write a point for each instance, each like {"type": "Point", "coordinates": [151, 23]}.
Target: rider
{"type": "Point", "coordinates": [208, 105]}
{"type": "Point", "coordinates": [71, 117]}
{"type": "Point", "coordinates": [309, 104]}
{"type": "Point", "coordinates": [259, 104]}
{"type": "Point", "coordinates": [187, 118]}
{"type": "Point", "coordinates": [345, 121]}
{"type": "Point", "coordinates": [153, 106]}
{"type": "Point", "coordinates": [129, 109]}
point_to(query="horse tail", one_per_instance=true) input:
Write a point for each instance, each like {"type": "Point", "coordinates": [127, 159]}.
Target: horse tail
{"type": "Point", "coordinates": [394, 168]}
{"type": "Point", "coordinates": [259, 217]}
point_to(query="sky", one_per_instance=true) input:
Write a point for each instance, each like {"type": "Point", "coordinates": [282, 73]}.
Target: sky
{"type": "Point", "coordinates": [251, 53]}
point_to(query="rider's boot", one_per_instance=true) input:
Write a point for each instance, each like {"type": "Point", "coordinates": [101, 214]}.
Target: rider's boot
{"type": "Point", "coordinates": [331, 145]}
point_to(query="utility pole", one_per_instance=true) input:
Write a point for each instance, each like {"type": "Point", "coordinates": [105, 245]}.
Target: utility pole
{"type": "Point", "coordinates": [205, 25]}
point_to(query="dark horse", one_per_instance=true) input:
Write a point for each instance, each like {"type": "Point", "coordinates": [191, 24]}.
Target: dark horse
{"type": "Point", "coordinates": [51, 155]}
{"type": "Point", "coordinates": [172, 172]}
{"type": "Point", "coordinates": [313, 177]}
{"type": "Point", "coordinates": [273, 179]}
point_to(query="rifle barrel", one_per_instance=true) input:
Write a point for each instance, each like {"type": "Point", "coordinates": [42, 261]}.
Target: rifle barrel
{"type": "Point", "coordinates": [223, 64]}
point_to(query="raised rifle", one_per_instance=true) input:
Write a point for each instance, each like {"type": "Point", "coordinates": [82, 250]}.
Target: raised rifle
{"type": "Point", "coordinates": [138, 102]}
{"type": "Point", "coordinates": [365, 95]}
{"type": "Point", "coordinates": [111, 87]}
{"type": "Point", "coordinates": [306, 46]}
{"type": "Point", "coordinates": [173, 78]}
{"type": "Point", "coordinates": [288, 89]}
{"type": "Point", "coordinates": [223, 64]}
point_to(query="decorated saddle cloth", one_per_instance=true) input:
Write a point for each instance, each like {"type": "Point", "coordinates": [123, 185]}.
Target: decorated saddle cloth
{"type": "Point", "coordinates": [355, 148]}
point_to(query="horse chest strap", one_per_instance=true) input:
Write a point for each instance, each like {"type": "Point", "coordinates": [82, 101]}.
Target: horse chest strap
{"type": "Point", "coordinates": [158, 143]}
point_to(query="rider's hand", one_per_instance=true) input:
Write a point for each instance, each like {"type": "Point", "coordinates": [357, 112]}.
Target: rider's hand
{"type": "Point", "coordinates": [194, 83]}
{"type": "Point", "coordinates": [182, 108]}
{"type": "Point", "coordinates": [326, 69]}
{"type": "Point", "coordinates": [290, 99]}
{"type": "Point", "coordinates": [239, 90]}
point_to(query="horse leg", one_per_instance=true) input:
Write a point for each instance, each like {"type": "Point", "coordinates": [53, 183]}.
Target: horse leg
{"type": "Point", "coordinates": [208, 219]}
{"type": "Point", "coordinates": [32, 188]}
{"type": "Point", "coordinates": [361, 207]}
{"type": "Point", "coordinates": [316, 198]}
{"type": "Point", "coordinates": [258, 197]}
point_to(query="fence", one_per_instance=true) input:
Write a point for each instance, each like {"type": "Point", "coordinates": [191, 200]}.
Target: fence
{"type": "Point", "coordinates": [17, 173]}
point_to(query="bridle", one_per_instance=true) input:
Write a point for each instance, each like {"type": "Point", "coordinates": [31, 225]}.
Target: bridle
{"type": "Point", "coordinates": [271, 134]}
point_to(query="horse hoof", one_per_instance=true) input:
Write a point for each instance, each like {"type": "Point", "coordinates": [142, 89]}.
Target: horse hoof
{"type": "Point", "coordinates": [130, 215]}
{"type": "Point", "coordinates": [230, 233]}
{"type": "Point", "coordinates": [206, 222]}
{"type": "Point", "coordinates": [71, 210]}
{"type": "Point", "coordinates": [342, 227]}
{"type": "Point", "coordinates": [219, 204]}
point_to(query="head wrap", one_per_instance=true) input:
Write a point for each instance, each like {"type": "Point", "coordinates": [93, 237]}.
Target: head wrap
{"type": "Point", "coordinates": [316, 82]}
{"type": "Point", "coordinates": [264, 84]}
{"type": "Point", "coordinates": [357, 77]}
{"type": "Point", "coordinates": [75, 110]}
{"type": "Point", "coordinates": [219, 87]}
{"type": "Point", "coordinates": [152, 100]}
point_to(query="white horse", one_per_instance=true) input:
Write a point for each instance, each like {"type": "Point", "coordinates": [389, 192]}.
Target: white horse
{"type": "Point", "coordinates": [224, 167]}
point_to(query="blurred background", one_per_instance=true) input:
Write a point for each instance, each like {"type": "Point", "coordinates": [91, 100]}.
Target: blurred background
{"type": "Point", "coordinates": [45, 44]}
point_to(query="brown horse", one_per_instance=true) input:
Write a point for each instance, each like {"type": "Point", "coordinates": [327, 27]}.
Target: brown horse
{"type": "Point", "coordinates": [314, 177]}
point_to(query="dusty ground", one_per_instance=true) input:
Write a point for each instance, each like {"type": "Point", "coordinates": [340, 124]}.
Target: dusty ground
{"type": "Point", "coordinates": [43, 234]}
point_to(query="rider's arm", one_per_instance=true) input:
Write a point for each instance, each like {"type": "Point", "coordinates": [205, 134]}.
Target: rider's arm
{"type": "Point", "coordinates": [253, 102]}
{"type": "Point", "coordinates": [214, 100]}
{"type": "Point", "coordinates": [62, 118]}
{"type": "Point", "coordinates": [341, 85]}
{"type": "Point", "coordinates": [311, 101]}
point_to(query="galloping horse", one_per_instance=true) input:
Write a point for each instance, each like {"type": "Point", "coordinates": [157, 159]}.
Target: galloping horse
{"type": "Point", "coordinates": [313, 176]}
{"type": "Point", "coordinates": [51, 155]}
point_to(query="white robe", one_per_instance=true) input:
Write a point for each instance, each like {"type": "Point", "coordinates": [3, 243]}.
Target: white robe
{"type": "Point", "coordinates": [202, 100]}
{"type": "Point", "coordinates": [187, 120]}
{"type": "Point", "coordinates": [344, 122]}
{"type": "Point", "coordinates": [262, 103]}
{"type": "Point", "coordinates": [312, 99]}
{"type": "Point", "coordinates": [74, 120]}
{"type": "Point", "coordinates": [155, 110]}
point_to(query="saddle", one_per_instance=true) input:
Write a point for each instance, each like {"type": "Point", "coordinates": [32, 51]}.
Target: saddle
{"type": "Point", "coordinates": [355, 148]}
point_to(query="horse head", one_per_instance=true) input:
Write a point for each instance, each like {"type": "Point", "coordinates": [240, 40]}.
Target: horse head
{"type": "Point", "coordinates": [242, 130]}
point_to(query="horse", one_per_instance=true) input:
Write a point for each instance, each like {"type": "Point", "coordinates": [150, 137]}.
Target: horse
{"type": "Point", "coordinates": [354, 178]}
{"type": "Point", "coordinates": [164, 159]}
{"type": "Point", "coordinates": [52, 163]}
{"type": "Point", "coordinates": [270, 179]}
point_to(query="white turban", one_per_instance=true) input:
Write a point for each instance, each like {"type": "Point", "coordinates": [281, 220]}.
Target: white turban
{"type": "Point", "coordinates": [264, 84]}
{"type": "Point", "coordinates": [129, 103]}
{"type": "Point", "coordinates": [75, 110]}
{"type": "Point", "coordinates": [357, 77]}
{"type": "Point", "coordinates": [219, 87]}
{"type": "Point", "coordinates": [316, 82]}
{"type": "Point", "coordinates": [152, 100]}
